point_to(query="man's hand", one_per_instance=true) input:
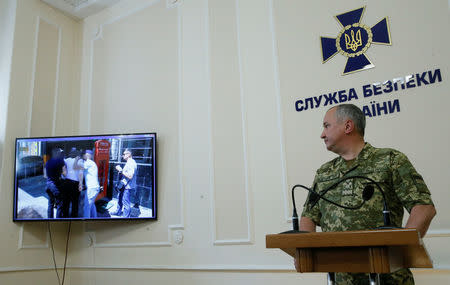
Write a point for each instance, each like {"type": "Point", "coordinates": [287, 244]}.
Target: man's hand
{"type": "Point", "coordinates": [118, 168]}
{"type": "Point", "coordinates": [306, 224]}
{"type": "Point", "coordinates": [420, 218]}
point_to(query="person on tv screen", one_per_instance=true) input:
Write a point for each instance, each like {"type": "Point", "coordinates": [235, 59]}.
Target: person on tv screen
{"type": "Point", "coordinates": [74, 180]}
{"type": "Point", "coordinates": [126, 184]}
{"type": "Point", "coordinates": [92, 186]}
{"type": "Point", "coordinates": [55, 168]}
{"type": "Point", "coordinates": [343, 134]}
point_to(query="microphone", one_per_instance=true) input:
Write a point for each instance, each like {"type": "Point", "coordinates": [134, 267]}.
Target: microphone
{"type": "Point", "coordinates": [366, 195]}
{"type": "Point", "coordinates": [295, 226]}
{"type": "Point", "coordinates": [368, 192]}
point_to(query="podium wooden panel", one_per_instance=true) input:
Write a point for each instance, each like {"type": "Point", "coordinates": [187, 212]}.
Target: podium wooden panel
{"type": "Point", "coordinates": [372, 251]}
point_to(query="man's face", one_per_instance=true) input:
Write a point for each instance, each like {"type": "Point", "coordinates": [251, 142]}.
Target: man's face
{"type": "Point", "coordinates": [126, 155]}
{"type": "Point", "coordinates": [87, 156]}
{"type": "Point", "coordinates": [333, 131]}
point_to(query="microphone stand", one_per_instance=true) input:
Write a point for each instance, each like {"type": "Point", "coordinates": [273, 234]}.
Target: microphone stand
{"type": "Point", "coordinates": [295, 226]}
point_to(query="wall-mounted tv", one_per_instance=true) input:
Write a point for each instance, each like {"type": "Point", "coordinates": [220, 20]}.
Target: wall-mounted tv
{"type": "Point", "coordinates": [101, 177]}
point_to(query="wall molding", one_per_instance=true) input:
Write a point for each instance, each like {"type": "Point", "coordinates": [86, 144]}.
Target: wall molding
{"type": "Point", "coordinates": [33, 74]}
{"type": "Point", "coordinates": [37, 246]}
{"type": "Point", "coordinates": [206, 268]}
{"type": "Point", "coordinates": [30, 106]}
{"type": "Point", "coordinates": [212, 181]}
{"type": "Point", "coordinates": [170, 240]}
{"type": "Point", "coordinates": [11, 269]}
{"type": "Point", "coordinates": [438, 233]}
{"type": "Point", "coordinates": [249, 238]}
{"type": "Point", "coordinates": [131, 244]}
{"type": "Point", "coordinates": [233, 242]}
{"type": "Point", "coordinates": [58, 64]}
{"type": "Point", "coordinates": [181, 180]}
{"type": "Point", "coordinates": [276, 72]}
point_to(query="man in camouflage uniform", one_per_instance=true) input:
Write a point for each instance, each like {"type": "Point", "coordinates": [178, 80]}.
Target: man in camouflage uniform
{"type": "Point", "coordinates": [343, 134]}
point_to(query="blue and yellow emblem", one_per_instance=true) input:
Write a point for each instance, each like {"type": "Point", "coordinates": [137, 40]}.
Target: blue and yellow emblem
{"type": "Point", "coordinates": [354, 39]}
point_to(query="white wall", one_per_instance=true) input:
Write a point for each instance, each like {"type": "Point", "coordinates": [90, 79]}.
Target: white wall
{"type": "Point", "coordinates": [217, 80]}
{"type": "Point", "coordinates": [42, 100]}
{"type": "Point", "coordinates": [7, 19]}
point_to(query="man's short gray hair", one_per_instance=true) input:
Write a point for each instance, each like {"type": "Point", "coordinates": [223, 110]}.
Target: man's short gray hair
{"type": "Point", "coordinates": [352, 112]}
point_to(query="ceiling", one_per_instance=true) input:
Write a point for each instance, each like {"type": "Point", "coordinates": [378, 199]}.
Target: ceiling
{"type": "Point", "coordinates": [80, 9]}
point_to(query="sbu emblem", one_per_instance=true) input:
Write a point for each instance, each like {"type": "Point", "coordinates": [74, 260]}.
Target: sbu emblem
{"type": "Point", "coordinates": [354, 39]}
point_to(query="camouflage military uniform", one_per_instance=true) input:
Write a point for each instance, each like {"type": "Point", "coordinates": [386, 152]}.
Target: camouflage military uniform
{"type": "Point", "coordinates": [401, 183]}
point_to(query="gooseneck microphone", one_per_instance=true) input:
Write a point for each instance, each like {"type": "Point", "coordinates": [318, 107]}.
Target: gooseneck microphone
{"type": "Point", "coordinates": [315, 197]}
{"type": "Point", "coordinates": [295, 227]}
{"type": "Point", "coordinates": [386, 212]}
{"type": "Point", "coordinates": [366, 195]}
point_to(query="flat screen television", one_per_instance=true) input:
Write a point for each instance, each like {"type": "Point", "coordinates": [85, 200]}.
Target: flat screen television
{"type": "Point", "coordinates": [101, 177]}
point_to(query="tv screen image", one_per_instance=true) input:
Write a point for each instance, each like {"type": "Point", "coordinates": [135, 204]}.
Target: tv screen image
{"type": "Point", "coordinates": [99, 177]}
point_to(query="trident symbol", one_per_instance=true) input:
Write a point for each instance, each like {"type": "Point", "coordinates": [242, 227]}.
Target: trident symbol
{"type": "Point", "coordinates": [354, 39]}
{"type": "Point", "coordinates": [353, 44]}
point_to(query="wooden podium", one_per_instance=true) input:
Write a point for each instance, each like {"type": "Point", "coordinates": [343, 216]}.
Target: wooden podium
{"type": "Point", "coordinates": [372, 251]}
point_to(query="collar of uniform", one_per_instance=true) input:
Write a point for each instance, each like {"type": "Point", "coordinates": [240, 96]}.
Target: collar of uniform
{"type": "Point", "coordinates": [365, 153]}
{"type": "Point", "coordinates": [362, 156]}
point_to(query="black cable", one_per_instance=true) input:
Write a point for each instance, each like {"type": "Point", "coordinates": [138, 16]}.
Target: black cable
{"type": "Point", "coordinates": [371, 180]}
{"type": "Point", "coordinates": [66, 254]}
{"type": "Point", "coordinates": [386, 212]}
{"type": "Point", "coordinates": [67, 250]}
{"type": "Point", "coordinates": [53, 252]}
{"type": "Point", "coordinates": [329, 201]}
{"type": "Point", "coordinates": [356, 176]}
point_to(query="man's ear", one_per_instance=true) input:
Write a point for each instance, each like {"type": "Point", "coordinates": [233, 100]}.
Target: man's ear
{"type": "Point", "coordinates": [349, 126]}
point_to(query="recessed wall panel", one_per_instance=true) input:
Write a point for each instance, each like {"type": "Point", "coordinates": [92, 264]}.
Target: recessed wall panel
{"type": "Point", "coordinates": [35, 236]}
{"type": "Point", "coordinates": [135, 88]}
{"type": "Point", "coordinates": [227, 121]}
{"type": "Point", "coordinates": [44, 90]}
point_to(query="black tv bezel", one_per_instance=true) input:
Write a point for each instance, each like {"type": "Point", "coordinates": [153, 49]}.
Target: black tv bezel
{"type": "Point", "coordinates": [155, 175]}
